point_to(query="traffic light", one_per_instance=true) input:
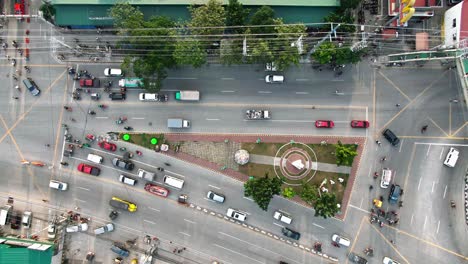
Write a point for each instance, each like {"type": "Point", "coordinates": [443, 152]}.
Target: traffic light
{"type": "Point", "coordinates": [407, 10]}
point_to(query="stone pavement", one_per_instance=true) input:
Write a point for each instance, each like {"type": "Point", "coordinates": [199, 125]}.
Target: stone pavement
{"type": "Point", "coordinates": [239, 138]}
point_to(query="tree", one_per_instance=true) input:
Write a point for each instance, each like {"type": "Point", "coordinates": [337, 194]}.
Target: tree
{"type": "Point", "coordinates": [288, 192]}
{"type": "Point", "coordinates": [346, 55]}
{"type": "Point", "coordinates": [345, 154]}
{"type": "Point", "coordinates": [231, 51]}
{"type": "Point", "coordinates": [48, 10]}
{"type": "Point", "coordinates": [263, 16]}
{"type": "Point", "coordinates": [309, 193]}
{"type": "Point", "coordinates": [349, 4]}
{"type": "Point", "coordinates": [261, 52]}
{"type": "Point", "coordinates": [126, 16]}
{"type": "Point", "coordinates": [189, 52]}
{"type": "Point", "coordinates": [326, 205]}
{"type": "Point", "coordinates": [262, 190]}
{"type": "Point", "coordinates": [325, 53]}
{"type": "Point", "coordinates": [285, 46]}
{"type": "Point", "coordinates": [236, 16]}
{"type": "Point", "coordinates": [208, 19]}
{"type": "Point", "coordinates": [344, 18]}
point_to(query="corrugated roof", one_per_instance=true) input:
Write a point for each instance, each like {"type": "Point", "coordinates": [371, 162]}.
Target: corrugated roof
{"type": "Point", "coordinates": [10, 254]}
{"type": "Point", "coordinates": [334, 3]}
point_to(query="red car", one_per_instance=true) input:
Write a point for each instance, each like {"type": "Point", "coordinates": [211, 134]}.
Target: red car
{"type": "Point", "coordinates": [324, 124]}
{"type": "Point", "coordinates": [359, 123]}
{"type": "Point", "coordinates": [89, 83]}
{"type": "Point", "coordinates": [156, 190]}
{"type": "Point", "coordinates": [107, 145]}
{"type": "Point", "coordinates": [89, 169]}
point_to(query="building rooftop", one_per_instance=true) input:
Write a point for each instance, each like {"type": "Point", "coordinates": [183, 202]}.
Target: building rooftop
{"type": "Point", "coordinates": [14, 251]}
{"type": "Point", "coordinates": [311, 3]}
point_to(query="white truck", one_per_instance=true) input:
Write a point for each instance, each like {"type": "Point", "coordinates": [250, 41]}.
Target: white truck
{"type": "Point", "coordinates": [5, 212]}
{"type": "Point", "coordinates": [146, 175]}
{"type": "Point", "coordinates": [178, 123]}
{"type": "Point", "coordinates": [257, 114]}
{"type": "Point", "coordinates": [187, 95]}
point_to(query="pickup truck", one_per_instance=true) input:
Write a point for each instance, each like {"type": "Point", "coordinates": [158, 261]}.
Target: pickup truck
{"type": "Point", "coordinates": [257, 114]}
{"type": "Point", "coordinates": [146, 175]}
{"type": "Point", "coordinates": [178, 123]}
{"type": "Point", "coordinates": [187, 95]}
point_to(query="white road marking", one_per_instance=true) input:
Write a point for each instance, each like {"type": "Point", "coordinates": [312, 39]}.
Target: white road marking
{"type": "Point", "coordinates": [102, 117]}
{"type": "Point", "coordinates": [154, 209]}
{"type": "Point", "coordinates": [302, 93]}
{"type": "Point", "coordinates": [264, 92]}
{"type": "Point", "coordinates": [296, 121]}
{"type": "Point", "coordinates": [425, 220]}
{"type": "Point", "coordinates": [212, 119]}
{"type": "Point", "coordinates": [419, 184]}
{"type": "Point", "coordinates": [441, 153]}
{"type": "Point", "coordinates": [438, 225]}
{"type": "Point", "coordinates": [148, 221]}
{"type": "Point", "coordinates": [412, 216]}
{"type": "Point", "coordinates": [181, 78]}
{"type": "Point", "coordinates": [433, 184]}
{"type": "Point", "coordinates": [428, 149]}
{"type": "Point", "coordinates": [362, 200]}
{"type": "Point", "coordinates": [318, 225]}
{"type": "Point", "coordinates": [441, 144]}
{"type": "Point", "coordinates": [227, 79]}
{"type": "Point", "coordinates": [82, 188]}
{"type": "Point", "coordinates": [212, 186]}
{"type": "Point", "coordinates": [445, 191]}
{"type": "Point", "coordinates": [302, 80]}
{"type": "Point", "coordinates": [138, 118]}
{"type": "Point", "coordinates": [401, 145]}
{"type": "Point", "coordinates": [358, 208]}
{"type": "Point", "coordinates": [192, 222]}
{"type": "Point", "coordinates": [81, 201]}
{"type": "Point", "coordinates": [185, 234]}
{"type": "Point", "coordinates": [228, 91]}
{"type": "Point", "coordinates": [248, 198]}
{"type": "Point", "coordinates": [230, 250]}
{"type": "Point", "coordinates": [337, 80]}
{"type": "Point", "coordinates": [279, 225]}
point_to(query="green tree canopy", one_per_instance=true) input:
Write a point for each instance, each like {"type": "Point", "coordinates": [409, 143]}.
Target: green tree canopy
{"type": "Point", "coordinates": [326, 205]}
{"type": "Point", "coordinates": [345, 55]}
{"type": "Point", "coordinates": [288, 192]}
{"type": "Point", "coordinates": [263, 16]}
{"type": "Point", "coordinates": [48, 10]}
{"type": "Point", "coordinates": [262, 190]}
{"type": "Point", "coordinates": [231, 51]}
{"type": "Point", "coordinates": [236, 15]}
{"type": "Point", "coordinates": [309, 193]}
{"type": "Point", "coordinates": [126, 17]}
{"type": "Point", "coordinates": [189, 52]}
{"type": "Point", "coordinates": [344, 18]}
{"type": "Point", "coordinates": [325, 53]}
{"type": "Point", "coordinates": [208, 19]}
{"type": "Point", "coordinates": [345, 154]}
{"type": "Point", "coordinates": [287, 52]}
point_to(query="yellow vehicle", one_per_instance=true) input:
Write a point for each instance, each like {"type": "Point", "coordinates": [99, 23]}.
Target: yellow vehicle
{"type": "Point", "coordinates": [122, 204]}
{"type": "Point", "coordinates": [377, 203]}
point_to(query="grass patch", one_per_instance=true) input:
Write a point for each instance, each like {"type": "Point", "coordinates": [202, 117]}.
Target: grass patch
{"type": "Point", "coordinates": [144, 140]}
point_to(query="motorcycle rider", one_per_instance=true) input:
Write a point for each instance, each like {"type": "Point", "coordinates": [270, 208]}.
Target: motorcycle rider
{"type": "Point", "coordinates": [128, 128]}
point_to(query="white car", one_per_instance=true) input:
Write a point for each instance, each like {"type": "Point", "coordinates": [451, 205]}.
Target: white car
{"type": "Point", "coordinates": [274, 79]}
{"type": "Point", "coordinates": [215, 197]}
{"type": "Point", "coordinates": [51, 232]}
{"type": "Point", "coordinates": [127, 180]}
{"type": "Point", "coordinates": [75, 228]}
{"type": "Point", "coordinates": [26, 219]}
{"type": "Point", "coordinates": [386, 178]}
{"type": "Point", "coordinates": [343, 241]}
{"type": "Point", "coordinates": [58, 185]}
{"type": "Point", "coordinates": [148, 97]}
{"type": "Point", "coordinates": [388, 260]}
{"type": "Point", "coordinates": [236, 214]}
{"type": "Point", "coordinates": [112, 72]}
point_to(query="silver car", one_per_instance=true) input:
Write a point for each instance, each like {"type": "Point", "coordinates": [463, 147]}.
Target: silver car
{"type": "Point", "coordinates": [215, 197]}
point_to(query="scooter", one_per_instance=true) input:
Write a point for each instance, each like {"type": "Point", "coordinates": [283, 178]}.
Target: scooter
{"type": "Point", "coordinates": [128, 128]}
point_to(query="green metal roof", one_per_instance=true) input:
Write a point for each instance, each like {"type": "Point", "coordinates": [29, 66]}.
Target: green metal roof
{"type": "Point", "coordinates": [333, 3]}
{"type": "Point", "coordinates": [12, 254]}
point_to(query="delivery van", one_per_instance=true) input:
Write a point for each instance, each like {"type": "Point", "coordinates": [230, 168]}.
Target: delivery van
{"type": "Point", "coordinates": [5, 212]}
{"type": "Point", "coordinates": [174, 182]}
{"type": "Point", "coordinates": [95, 158]}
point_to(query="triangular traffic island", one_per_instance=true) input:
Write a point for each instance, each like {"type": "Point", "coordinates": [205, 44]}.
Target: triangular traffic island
{"type": "Point", "coordinates": [300, 162]}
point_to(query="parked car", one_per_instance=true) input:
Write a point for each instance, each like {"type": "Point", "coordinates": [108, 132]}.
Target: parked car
{"type": "Point", "coordinates": [324, 124]}
{"type": "Point", "coordinates": [391, 137]}
{"type": "Point", "coordinates": [359, 124]}
{"type": "Point", "coordinates": [15, 220]}
{"type": "Point", "coordinates": [58, 185]}
{"type": "Point", "coordinates": [117, 96]}
{"type": "Point", "coordinates": [83, 167]}
{"type": "Point", "coordinates": [387, 260]}
{"type": "Point", "coordinates": [82, 227]}
{"type": "Point", "coordinates": [156, 190]}
{"type": "Point", "coordinates": [149, 97]}
{"type": "Point", "coordinates": [103, 229]}
{"type": "Point", "coordinates": [356, 258]}
{"type": "Point", "coordinates": [236, 214]}
{"type": "Point", "coordinates": [108, 146]}
{"type": "Point", "coordinates": [123, 164]}
{"type": "Point", "coordinates": [112, 72]}
{"type": "Point", "coordinates": [274, 79]}
{"type": "Point", "coordinates": [51, 231]}
{"type": "Point", "coordinates": [215, 197]}
{"type": "Point", "coordinates": [127, 180]}
{"type": "Point", "coordinates": [395, 192]}
{"type": "Point", "coordinates": [343, 241]}
{"type": "Point", "coordinates": [88, 82]}
{"type": "Point", "coordinates": [291, 233]}
{"type": "Point", "coordinates": [27, 219]}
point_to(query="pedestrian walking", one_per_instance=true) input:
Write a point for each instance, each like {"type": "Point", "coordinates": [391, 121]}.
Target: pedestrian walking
{"type": "Point", "coordinates": [397, 105]}
{"type": "Point", "coordinates": [378, 142]}
{"type": "Point", "coordinates": [423, 129]}
{"type": "Point", "coordinates": [371, 187]}
{"type": "Point", "coordinates": [47, 145]}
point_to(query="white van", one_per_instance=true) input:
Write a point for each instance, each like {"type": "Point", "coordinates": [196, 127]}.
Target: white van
{"type": "Point", "coordinates": [5, 214]}
{"type": "Point", "coordinates": [386, 178]}
{"type": "Point", "coordinates": [127, 180]}
{"type": "Point", "coordinates": [282, 216]}
{"type": "Point", "coordinates": [95, 158]}
{"type": "Point", "coordinates": [452, 157]}
{"type": "Point", "coordinates": [27, 219]}
{"type": "Point", "coordinates": [174, 182]}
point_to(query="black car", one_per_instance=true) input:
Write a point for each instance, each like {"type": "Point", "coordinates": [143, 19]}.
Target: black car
{"type": "Point", "coordinates": [117, 96]}
{"type": "Point", "coordinates": [113, 215]}
{"type": "Point", "coordinates": [391, 137]}
{"type": "Point", "coordinates": [356, 258]}
{"type": "Point", "coordinates": [291, 233]}
{"type": "Point", "coordinates": [124, 164]}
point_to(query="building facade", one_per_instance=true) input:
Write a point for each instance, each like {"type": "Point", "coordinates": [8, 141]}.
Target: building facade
{"type": "Point", "coordinates": [456, 25]}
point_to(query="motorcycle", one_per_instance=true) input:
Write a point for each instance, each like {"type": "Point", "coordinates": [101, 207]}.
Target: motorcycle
{"type": "Point", "coordinates": [102, 106]}
{"type": "Point", "coordinates": [121, 120]}
{"type": "Point", "coordinates": [139, 153]}
{"type": "Point", "coordinates": [69, 109]}
{"type": "Point", "coordinates": [91, 112]}
{"type": "Point", "coordinates": [335, 244]}
{"type": "Point", "coordinates": [128, 128]}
